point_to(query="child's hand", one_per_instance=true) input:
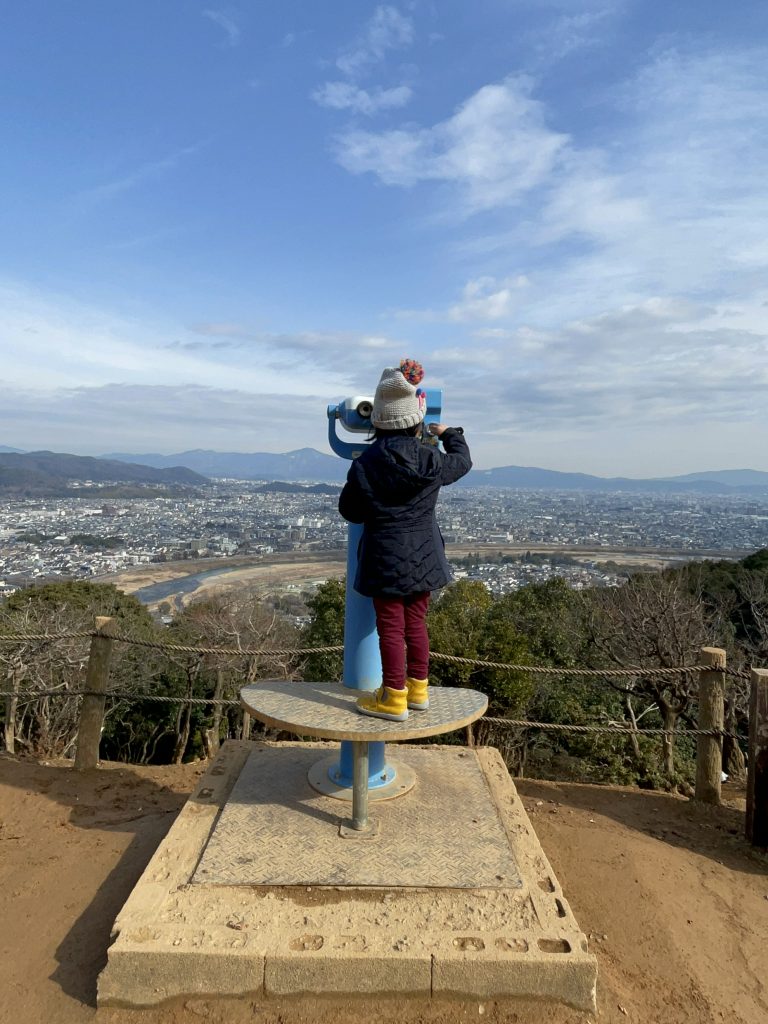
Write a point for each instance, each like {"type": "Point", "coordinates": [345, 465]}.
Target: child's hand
{"type": "Point", "coordinates": [436, 428]}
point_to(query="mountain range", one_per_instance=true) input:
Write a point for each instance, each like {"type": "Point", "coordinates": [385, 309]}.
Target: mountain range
{"type": "Point", "coordinates": [302, 464]}
{"type": "Point", "coordinates": [307, 464]}
{"type": "Point", "coordinates": [51, 473]}
{"type": "Point", "coordinates": [741, 481]}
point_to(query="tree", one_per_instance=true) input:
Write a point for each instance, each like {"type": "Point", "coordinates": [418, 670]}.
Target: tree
{"type": "Point", "coordinates": [548, 615]}
{"type": "Point", "coordinates": [229, 619]}
{"type": "Point", "coordinates": [736, 595]}
{"type": "Point", "coordinates": [47, 726]}
{"type": "Point", "coordinates": [325, 629]}
{"type": "Point", "coordinates": [456, 625]}
{"type": "Point", "coordinates": [653, 621]}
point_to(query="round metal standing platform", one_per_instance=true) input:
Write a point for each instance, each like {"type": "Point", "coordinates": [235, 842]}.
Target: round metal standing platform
{"type": "Point", "coordinates": [329, 711]}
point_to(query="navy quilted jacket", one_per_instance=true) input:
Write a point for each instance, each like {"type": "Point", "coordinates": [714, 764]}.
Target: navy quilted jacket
{"type": "Point", "coordinates": [392, 489]}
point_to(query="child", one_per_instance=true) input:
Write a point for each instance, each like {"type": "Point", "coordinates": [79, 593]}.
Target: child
{"type": "Point", "coordinates": [392, 489]}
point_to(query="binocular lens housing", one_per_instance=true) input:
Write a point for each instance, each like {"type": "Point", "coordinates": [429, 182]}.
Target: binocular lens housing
{"type": "Point", "coordinates": [364, 409]}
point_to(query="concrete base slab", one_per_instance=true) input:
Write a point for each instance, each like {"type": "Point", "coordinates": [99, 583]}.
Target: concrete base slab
{"type": "Point", "coordinates": [177, 936]}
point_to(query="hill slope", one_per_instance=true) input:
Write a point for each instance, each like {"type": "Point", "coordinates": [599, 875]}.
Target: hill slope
{"type": "Point", "coordinates": [49, 472]}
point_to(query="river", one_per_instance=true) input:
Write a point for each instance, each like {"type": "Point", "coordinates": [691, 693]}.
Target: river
{"type": "Point", "coordinates": [177, 586]}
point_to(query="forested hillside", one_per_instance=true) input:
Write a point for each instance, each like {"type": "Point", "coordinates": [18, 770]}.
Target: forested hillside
{"type": "Point", "coordinates": [656, 620]}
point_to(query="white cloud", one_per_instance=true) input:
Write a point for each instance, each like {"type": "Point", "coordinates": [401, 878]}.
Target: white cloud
{"type": "Point", "coordinates": [482, 298]}
{"type": "Point", "coordinates": [660, 362]}
{"type": "Point", "coordinates": [488, 299]}
{"type": "Point", "coordinates": [569, 32]}
{"type": "Point", "coordinates": [166, 418]}
{"type": "Point", "coordinates": [388, 29]}
{"type": "Point", "coordinates": [57, 342]}
{"type": "Point", "coordinates": [595, 386]}
{"type": "Point", "coordinates": [346, 96]}
{"type": "Point", "coordinates": [316, 348]}
{"type": "Point", "coordinates": [495, 148]}
{"type": "Point", "coordinates": [226, 22]}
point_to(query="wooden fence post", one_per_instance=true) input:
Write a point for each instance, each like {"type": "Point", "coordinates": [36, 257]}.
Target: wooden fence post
{"type": "Point", "coordinates": [92, 710]}
{"type": "Point", "coordinates": [245, 732]}
{"type": "Point", "coordinates": [709, 749]}
{"type": "Point", "coordinates": [757, 761]}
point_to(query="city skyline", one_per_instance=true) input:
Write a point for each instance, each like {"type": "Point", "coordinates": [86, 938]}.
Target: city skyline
{"type": "Point", "coordinates": [220, 219]}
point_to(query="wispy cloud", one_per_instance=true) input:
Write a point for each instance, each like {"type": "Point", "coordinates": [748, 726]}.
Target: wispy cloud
{"type": "Point", "coordinates": [676, 205]}
{"type": "Point", "coordinates": [388, 29]}
{"type": "Point", "coordinates": [226, 22]}
{"type": "Point", "coordinates": [496, 147]}
{"type": "Point", "coordinates": [315, 348]}
{"type": "Point", "coordinates": [347, 96]}
{"type": "Point", "coordinates": [616, 247]}
{"type": "Point", "coordinates": [659, 362]}
{"type": "Point", "coordinates": [150, 171]}
{"type": "Point", "coordinates": [488, 299]}
{"type": "Point", "coordinates": [570, 32]}
{"type": "Point", "coordinates": [482, 298]}
{"type": "Point", "coordinates": [56, 342]}
{"type": "Point", "coordinates": [170, 417]}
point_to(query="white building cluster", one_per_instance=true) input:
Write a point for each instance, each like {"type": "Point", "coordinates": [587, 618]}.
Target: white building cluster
{"type": "Point", "coordinates": [71, 537]}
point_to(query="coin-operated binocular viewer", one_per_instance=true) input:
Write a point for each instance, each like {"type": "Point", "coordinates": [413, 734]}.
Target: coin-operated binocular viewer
{"type": "Point", "coordinates": [328, 710]}
{"type": "Point", "coordinates": [362, 661]}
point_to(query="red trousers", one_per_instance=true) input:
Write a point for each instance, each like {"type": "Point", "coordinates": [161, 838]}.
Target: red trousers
{"type": "Point", "coordinates": [403, 641]}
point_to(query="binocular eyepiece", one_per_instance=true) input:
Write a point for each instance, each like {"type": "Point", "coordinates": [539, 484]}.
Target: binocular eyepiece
{"type": "Point", "coordinates": [355, 413]}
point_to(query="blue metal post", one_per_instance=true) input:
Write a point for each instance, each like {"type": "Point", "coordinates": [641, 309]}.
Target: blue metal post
{"type": "Point", "coordinates": [362, 661]}
{"type": "Point", "coordinates": [362, 669]}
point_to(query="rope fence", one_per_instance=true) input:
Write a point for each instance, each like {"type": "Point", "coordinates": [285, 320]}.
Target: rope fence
{"type": "Point", "coordinates": [710, 733]}
{"type": "Point", "coordinates": [623, 729]}
{"type": "Point", "coordinates": [515, 723]}
{"type": "Point", "coordinates": [249, 652]}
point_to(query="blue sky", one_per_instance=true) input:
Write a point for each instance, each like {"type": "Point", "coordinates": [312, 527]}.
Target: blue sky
{"type": "Point", "coordinates": [216, 219]}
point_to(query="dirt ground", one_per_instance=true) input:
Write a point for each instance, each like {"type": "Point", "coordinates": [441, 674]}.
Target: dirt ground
{"type": "Point", "coordinates": [673, 901]}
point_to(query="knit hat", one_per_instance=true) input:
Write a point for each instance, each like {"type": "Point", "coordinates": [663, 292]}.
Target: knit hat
{"type": "Point", "coordinates": [398, 403]}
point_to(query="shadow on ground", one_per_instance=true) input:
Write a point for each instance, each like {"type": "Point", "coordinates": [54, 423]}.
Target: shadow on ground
{"type": "Point", "coordinates": [112, 800]}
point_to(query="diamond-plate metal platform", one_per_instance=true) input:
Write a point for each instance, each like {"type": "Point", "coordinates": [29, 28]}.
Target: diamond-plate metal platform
{"type": "Point", "coordinates": [276, 830]}
{"type": "Point", "coordinates": [329, 711]}
{"type": "Point", "coordinates": [173, 939]}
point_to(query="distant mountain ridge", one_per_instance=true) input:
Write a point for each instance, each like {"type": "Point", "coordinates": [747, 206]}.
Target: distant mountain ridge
{"type": "Point", "coordinates": [49, 472]}
{"type": "Point", "coordinates": [741, 481]}
{"type": "Point", "coordinates": [309, 464]}
{"type": "Point", "coordinates": [730, 477]}
{"type": "Point", "coordinates": [301, 464]}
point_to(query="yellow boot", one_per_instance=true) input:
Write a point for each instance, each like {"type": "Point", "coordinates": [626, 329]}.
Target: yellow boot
{"type": "Point", "coordinates": [385, 703]}
{"type": "Point", "coordinates": [418, 698]}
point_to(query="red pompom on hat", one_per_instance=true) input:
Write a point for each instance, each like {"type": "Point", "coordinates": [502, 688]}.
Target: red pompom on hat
{"type": "Point", "coordinates": [412, 371]}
